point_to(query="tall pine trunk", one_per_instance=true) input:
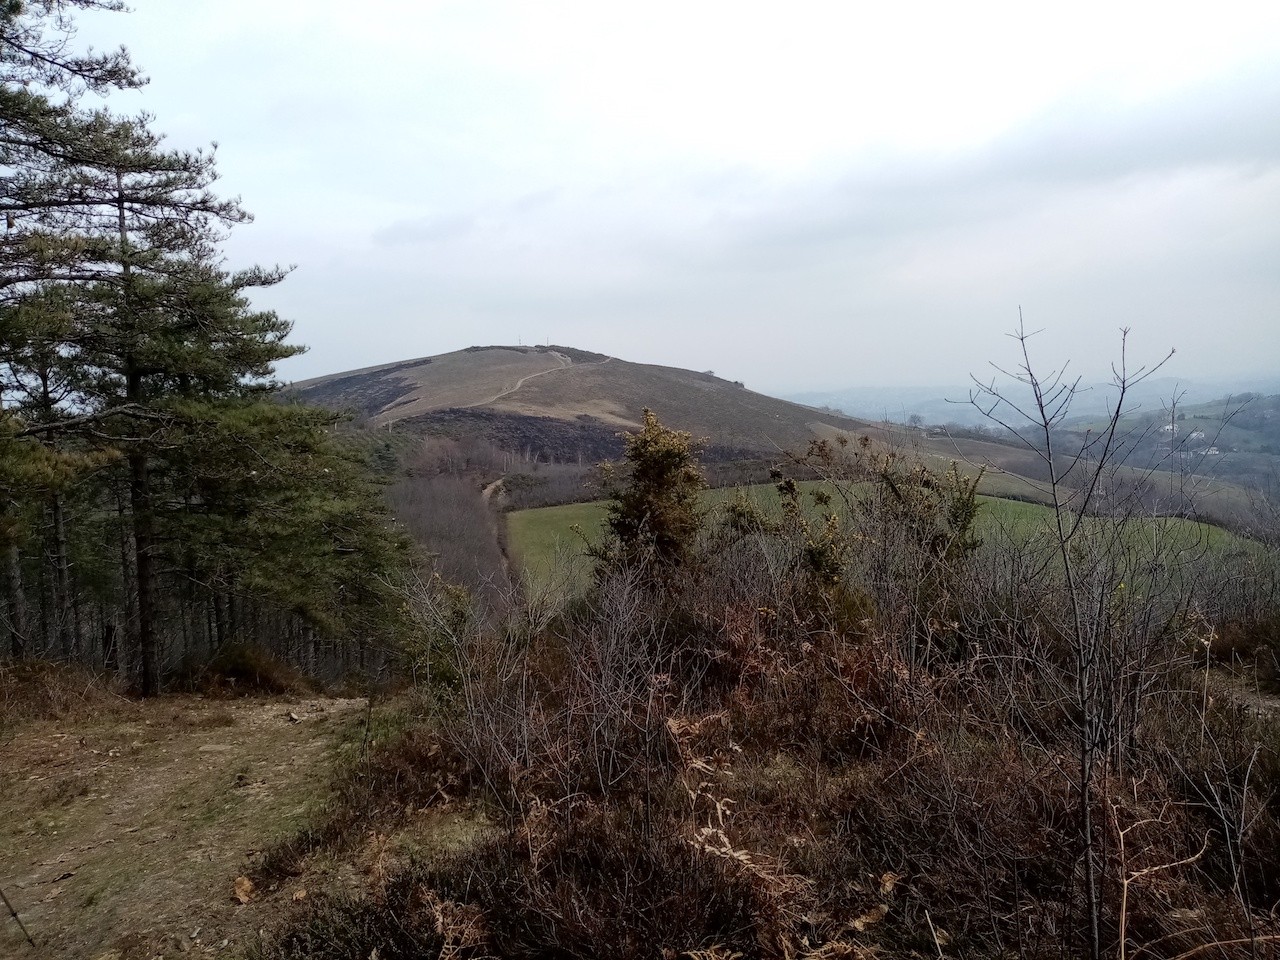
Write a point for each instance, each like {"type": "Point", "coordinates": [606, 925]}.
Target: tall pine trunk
{"type": "Point", "coordinates": [15, 601]}
{"type": "Point", "coordinates": [140, 501]}
{"type": "Point", "coordinates": [143, 543]}
{"type": "Point", "coordinates": [64, 601]}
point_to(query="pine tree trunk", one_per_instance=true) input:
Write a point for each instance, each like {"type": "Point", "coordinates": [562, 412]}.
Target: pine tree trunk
{"type": "Point", "coordinates": [128, 581]}
{"type": "Point", "coordinates": [16, 602]}
{"type": "Point", "coordinates": [139, 484]}
{"type": "Point", "coordinates": [110, 647]}
{"type": "Point", "coordinates": [64, 604]}
{"type": "Point", "coordinates": [143, 541]}
{"type": "Point", "coordinates": [219, 621]}
{"type": "Point", "coordinates": [47, 602]}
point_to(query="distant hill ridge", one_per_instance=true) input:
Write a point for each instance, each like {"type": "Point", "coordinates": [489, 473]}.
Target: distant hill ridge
{"type": "Point", "coordinates": [568, 403]}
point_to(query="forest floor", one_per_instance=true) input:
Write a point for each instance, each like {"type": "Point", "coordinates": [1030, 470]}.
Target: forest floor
{"type": "Point", "coordinates": [128, 835]}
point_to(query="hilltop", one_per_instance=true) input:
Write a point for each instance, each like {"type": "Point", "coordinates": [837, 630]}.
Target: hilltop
{"type": "Point", "coordinates": [568, 404]}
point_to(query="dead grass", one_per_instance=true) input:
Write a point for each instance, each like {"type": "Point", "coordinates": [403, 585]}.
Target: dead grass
{"type": "Point", "coordinates": [396, 780]}
{"type": "Point", "coordinates": [461, 379]}
{"type": "Point", "coordinates": [125, 830]}
{"type": "Point", "coordinates": [42, 691]}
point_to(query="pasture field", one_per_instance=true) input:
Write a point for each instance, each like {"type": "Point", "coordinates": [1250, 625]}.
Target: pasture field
{"type": "Point", "coordinates": [543, 542]}
{"type": "Point", "coordinates": [550, 543]}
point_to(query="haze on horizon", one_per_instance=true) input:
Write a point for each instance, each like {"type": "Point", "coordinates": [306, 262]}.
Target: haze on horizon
{"type": "Point", "coordinates": [811, 197]}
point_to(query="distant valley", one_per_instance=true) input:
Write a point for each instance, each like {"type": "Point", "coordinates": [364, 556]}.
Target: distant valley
{"type": "Point", "coordinates": [949, 403]}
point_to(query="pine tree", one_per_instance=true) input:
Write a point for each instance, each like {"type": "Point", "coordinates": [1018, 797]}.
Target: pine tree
{"type": "Point", "coordinates": [136, 382]}
{"type": "Point", "coordinates": [43, 134]}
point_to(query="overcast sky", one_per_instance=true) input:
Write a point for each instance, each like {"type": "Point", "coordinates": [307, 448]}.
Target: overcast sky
{"type": "Point", "coordinates": [796, 195]}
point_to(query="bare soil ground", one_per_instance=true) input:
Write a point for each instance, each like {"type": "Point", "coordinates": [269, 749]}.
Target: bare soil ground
{"type": "Point", "coordinates": [122, 837]}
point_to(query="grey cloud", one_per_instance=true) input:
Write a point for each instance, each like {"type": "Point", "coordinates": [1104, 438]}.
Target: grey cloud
{"type": "Point", "coordinates": [1231, 121]}
{"type": "Point", "coordinates": [424, 230]}
{"type": "Point", "coordinates": [448, 227]}
{"type": "Point", "coordinates": [849, 275]}
{"type": "Point", "coordinates": [534, 200]}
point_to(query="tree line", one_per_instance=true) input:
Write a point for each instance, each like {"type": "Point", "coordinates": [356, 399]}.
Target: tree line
{"type": "Point", "coordinates": [158, 502]}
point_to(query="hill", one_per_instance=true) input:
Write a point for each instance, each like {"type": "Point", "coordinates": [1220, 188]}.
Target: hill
{"type": "Point", "coordinates": [566, 404]}
{"type": "Point", "coordinates": [1234, 437]}
{"type": "Point", "coordinates": [948, 403]}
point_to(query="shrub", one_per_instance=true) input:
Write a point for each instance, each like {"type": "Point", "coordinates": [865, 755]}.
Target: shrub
{"type": "Point", "coordinates": [654, 517]}
{"type": "Point", "coordinates": [588, 881]}
{"type": "Point", "coordinates": [39, 690]}
{"type": "Point", "coordinates": [244, 669]}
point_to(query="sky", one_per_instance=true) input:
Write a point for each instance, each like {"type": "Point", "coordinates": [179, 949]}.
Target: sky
{"type": "Point", "coordinates": [800, 196]}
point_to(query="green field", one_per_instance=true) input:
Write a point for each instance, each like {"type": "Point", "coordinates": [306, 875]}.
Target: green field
{"type": "Point", "coordinates": [543, 538]}
{"type": "Point", "coordinates": [545, 544]}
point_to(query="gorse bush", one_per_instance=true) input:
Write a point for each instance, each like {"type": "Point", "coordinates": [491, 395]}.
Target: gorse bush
{"type": "Point", "coordinates": [654, 514]}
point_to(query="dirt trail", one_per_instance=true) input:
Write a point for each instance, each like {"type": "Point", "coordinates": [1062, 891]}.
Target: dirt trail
{"type": "Point", "coordinates": [564, 362]}
{"type": "Point", "coordinates": [122, 838]}
{"type": "Point", "coordinates": [1262, 704]}
{"type": "Point", "coordinates": [561, 359]}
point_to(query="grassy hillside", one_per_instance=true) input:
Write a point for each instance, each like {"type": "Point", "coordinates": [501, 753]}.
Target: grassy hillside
{"type": "Point", "coordinates": [464, 379]}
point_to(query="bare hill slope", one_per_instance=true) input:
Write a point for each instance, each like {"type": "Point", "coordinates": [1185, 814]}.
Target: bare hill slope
{"type": "Point", "coordinates": [568, 402]}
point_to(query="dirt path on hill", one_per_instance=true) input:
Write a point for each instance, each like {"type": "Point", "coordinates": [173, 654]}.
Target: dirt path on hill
{"type": "Point", "coordinates": [122, 838]}
{"type": "Point", "coordinates": [560, 358]}
{"type": "Point", "coordinates": [565, 363]}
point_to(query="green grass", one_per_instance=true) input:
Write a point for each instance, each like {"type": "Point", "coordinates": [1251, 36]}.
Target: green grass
{"type": "Point", "coordinates": [543, 542]}
{"type": "Point", "coordinates": [547, 548]}
{"type": "Point", "coordinates": [1022, 524]}
{"type": "Point", "coordinates": [543, 539]}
